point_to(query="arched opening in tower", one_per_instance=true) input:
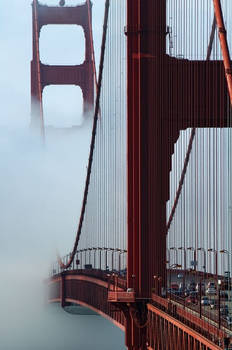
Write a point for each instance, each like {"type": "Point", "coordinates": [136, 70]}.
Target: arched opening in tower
{"type": "Point", "coordinates": [63, 106]}
{"type": "Point", "coordinates": [62, 45]}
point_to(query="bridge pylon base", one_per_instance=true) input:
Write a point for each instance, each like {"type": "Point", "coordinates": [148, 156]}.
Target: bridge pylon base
{"type": "Point", "coordinates": [136, 315]}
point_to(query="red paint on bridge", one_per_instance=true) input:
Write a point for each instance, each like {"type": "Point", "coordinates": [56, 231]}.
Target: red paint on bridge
{"type": "Point", "coordinates": [43, 75]}
{"type": "Point", "coordinates": [154, 103]}
{"type": "Point", "coordinates": [163, 316]}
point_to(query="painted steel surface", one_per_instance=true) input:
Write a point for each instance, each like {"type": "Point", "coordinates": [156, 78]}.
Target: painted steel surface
{"type": "Point", "coordinates": [43, 75]}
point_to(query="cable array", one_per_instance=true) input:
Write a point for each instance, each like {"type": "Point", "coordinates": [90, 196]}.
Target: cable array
{"type": "Point", "coordinates": [199, 206]}
{"type": "Point", "coordinates": [103, 215]}
{"type": "Point", "coordinates": [92, 144]}
{"type": "Point", "coordinates": [199, 225]}
{"type": "Point", "coordinates": [105, 221]}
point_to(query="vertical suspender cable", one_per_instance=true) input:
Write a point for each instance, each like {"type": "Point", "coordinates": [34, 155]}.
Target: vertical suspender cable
{"type": "Point", "coordinates": [97, 104]}
{"type": "Point", "coordinates": [193, 132]}
{"type": "Point", "coordinates": [38, 68]}
{"type": "Point", "coordinates": [91, 42]}
{"type": "Point", "coordinates": [224, 45]}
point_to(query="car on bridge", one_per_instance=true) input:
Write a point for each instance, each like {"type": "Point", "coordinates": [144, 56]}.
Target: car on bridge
{"type": "Point", "coordinates": [211, 291]}
{"type": "Point", "coordinates": [228, 320]}
{"type": "Point", "coordinates": [211, 284]}
{"type": "Point", "coordinates": [174, 286]}
{"type": "Point", "coordinates": [182, 292]}
{"type": "Point", "coordinates": [193, 293]}
{"type": "Point", "coordinates": [214, 304]}
{"type": "Point", "coordinates": [191, 299]}
{"type": "Point", "coordinates": [224, 310]}
{"type": "Point", "coordinates": [123, 272]}
{"type": "Point", "coordinates": [224, 295]}
{"type": "Point", "coordinates": [205, 301]}
{"type": "Point", "coordinates": [200, 287]}
{"type": "Point", "coordinates": [192, 286]}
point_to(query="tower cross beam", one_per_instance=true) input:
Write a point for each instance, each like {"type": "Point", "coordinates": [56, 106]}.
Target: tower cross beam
{"type": "Point", "coordinates": [42, 74]}
{"type": "Point", "coordinates": [165, 95]}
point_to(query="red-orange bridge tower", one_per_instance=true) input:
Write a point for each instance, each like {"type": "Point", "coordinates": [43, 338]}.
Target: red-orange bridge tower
{"type": "Point", "coordinates": [42, 75]}
{"type": "Point", "coordinates": [166, 94]}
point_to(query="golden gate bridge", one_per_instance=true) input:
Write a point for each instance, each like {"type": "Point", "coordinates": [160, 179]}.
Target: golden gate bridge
{"type": "Point", "coordinates": [153, 245]}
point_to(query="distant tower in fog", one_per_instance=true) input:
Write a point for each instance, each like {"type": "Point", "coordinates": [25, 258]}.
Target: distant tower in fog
{"type": "Point", "coordinates": [42, 75]}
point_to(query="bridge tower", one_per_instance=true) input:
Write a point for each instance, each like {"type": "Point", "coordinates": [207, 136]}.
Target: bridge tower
{"type": "Point", "coordinates": [162, 100]}
{"type": "Point", "coordinates": [43, 75]}
{"type": "Point", "coordinates": [165, 95]}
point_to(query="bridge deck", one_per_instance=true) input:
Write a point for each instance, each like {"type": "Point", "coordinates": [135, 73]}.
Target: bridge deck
{"type": "Point", "coordinates": [90, 288]}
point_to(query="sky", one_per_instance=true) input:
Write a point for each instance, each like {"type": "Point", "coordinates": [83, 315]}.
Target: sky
{"type": "Point", "coordinates": [41, 186]}
{"type": "Point", "coordinates": [16, 53]}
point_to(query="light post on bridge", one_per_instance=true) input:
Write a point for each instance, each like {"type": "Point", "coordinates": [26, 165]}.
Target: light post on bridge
{"type": "Point", "coordinates": [184, 250]}
{"type": "Point", "coordinates": [168, 257]}
{"type": "Point", "coordinates": [106, 257]}
{"type": "Point", "coordinates": [112, 250]}
{"type": "Point", "coordinates": [219, 303]}
{"type": "Point", "coordinates": [80, 252]}
{"type": "Point", "coordinates": [200, 249]}
{"type": "Point", "coordinates": [216, 259]}
{"type": "Point", "coordinates": [89, 249]}
{"type": "Point", "coordinates": [167, 267]}
{"type": "Point", "coordinates": [117, 250]}
{"type": "Point", "coordinates": [176, 254]}
{"type": "Point", "coordinates": [228, 264]}
{"type": "Point", "coordinates": [73, 262]}
{"type": "Point", "coordinates": [85, 250]}
{"type": "Point", "coordinates": [66, 260]}
{"type": "Point", "coordinates": [119, 259]}
{"type": "Point", "coordinates": [194, 256]}
{"type": "Point", "coordinates": [82, 262]}
{"type": "Point", "coordinates": [157, 287]}
{"type": "Point", "coordinates": [204, 251]}
{"type": "Point", "coordinates": [100, 256]}
{"type": "Point", "coordinates": [77, 259]}
{"type": "Point", "coordinates": [53, 269]}
{"type": "Point", "coordinates": [94, 257]}
{"type": "Point", "coordinates": [173, 266]}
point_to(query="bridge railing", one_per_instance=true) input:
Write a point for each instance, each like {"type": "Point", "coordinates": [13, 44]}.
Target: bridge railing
{"type": "Point", "coordinates": [106, 259]}
{"type": "Point", "coordinates": [191, 319]}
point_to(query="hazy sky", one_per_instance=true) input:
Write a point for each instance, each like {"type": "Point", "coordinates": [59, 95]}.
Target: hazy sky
{"type": "Point", "coordinates": [41, 187]}
{"type": "Point", "coordinates": [16, 53]}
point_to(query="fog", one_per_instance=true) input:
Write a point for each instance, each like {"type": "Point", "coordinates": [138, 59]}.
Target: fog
{"type": "Point", "coordinates": [41, 193]}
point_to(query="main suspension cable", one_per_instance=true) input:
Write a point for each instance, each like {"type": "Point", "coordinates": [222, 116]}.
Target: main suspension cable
{"type": "Point", "coordinates": [97, 105]}
{"type": "Point", "coordinates": [192, 136]}
{"type": "Point", "coordinates": [91, 43]}
{"type": "Point", "coordinates": [224, 45]}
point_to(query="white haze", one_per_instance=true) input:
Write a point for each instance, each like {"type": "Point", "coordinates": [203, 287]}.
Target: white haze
{"type": "Point", "coordinates": [41, 189]}
{"type": "Point", "coordinates": [41, 194]}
